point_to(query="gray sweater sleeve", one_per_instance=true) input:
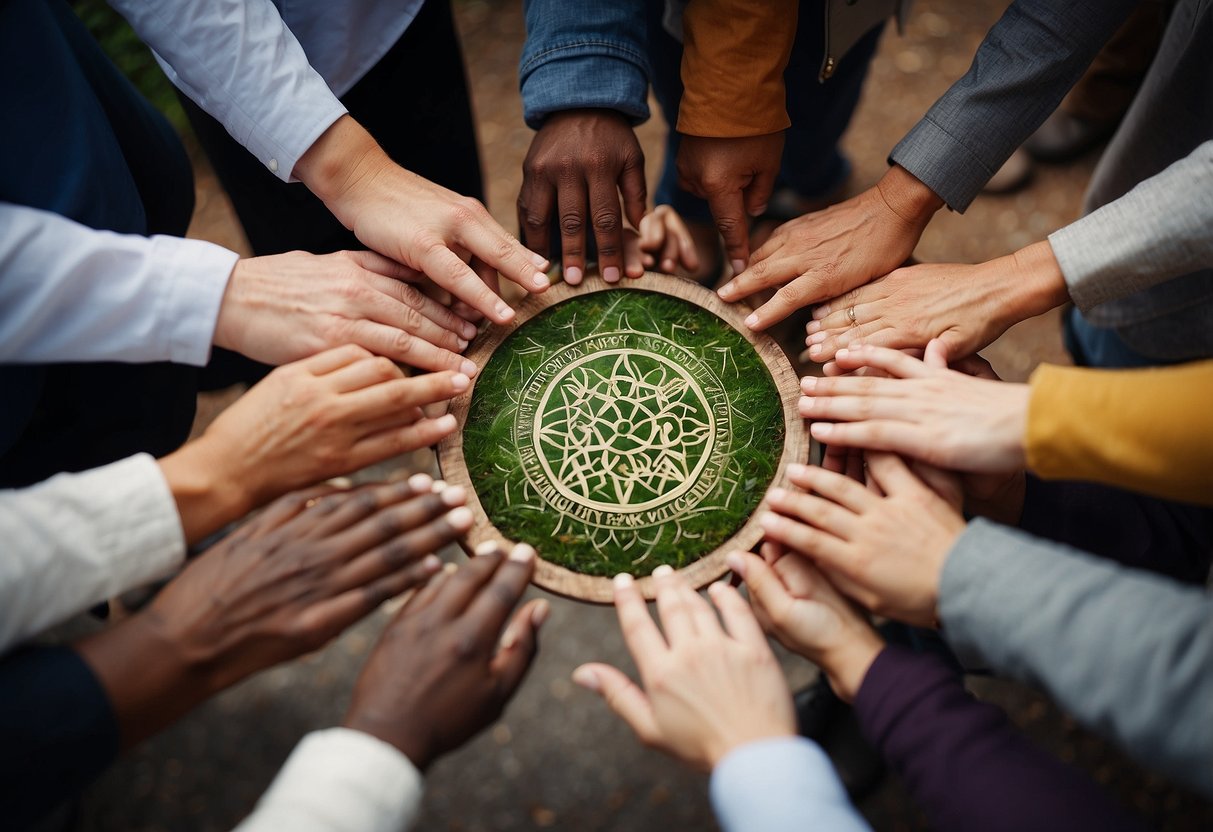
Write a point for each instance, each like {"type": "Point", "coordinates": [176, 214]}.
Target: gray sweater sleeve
{"type": "Point", "coordinates": [1127, 653]}
{"type": "Point", "coordinates": [1155, 232]}
{"type": "Point", "coordinates": [1024, 67]}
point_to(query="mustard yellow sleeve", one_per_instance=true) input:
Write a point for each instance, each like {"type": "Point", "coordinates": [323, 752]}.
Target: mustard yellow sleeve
{"type": "Point", "coordinates": [734, 55]}
{"type": "Point", "coordinates": [1147, 430]}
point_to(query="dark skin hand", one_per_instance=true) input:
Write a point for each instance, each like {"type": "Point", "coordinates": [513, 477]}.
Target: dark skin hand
{"type": "Point", "coordinates": [284, 584]}
{"type": "Point", "coordinates": [452, 658]}
{"type": "Point", "coordinates": [579, 163]}
{"type": "Point", "coordinates": [736, 177]}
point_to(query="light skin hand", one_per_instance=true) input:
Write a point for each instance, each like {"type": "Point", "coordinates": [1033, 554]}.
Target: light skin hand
{"type": "Point", "coordinates": [578, 166]}
{"type": "Point", "coordinates": [736, 176]}
{"type": "Point", "coordinates": [706, 689]}
{"type": "Point", "coordinates": [796, 604]}
{"type": "Point", "coordinates": [828, 253]}
{"type": "Point", "coordinates": [416, 222]}
{"type": "Point", "coordinates": [452, 658]}
{"type": "Point", "coordinates": [884, 546]}
{"type": "Point", "coordinates": [966, 307]}
{"type": "Point", "coordinates": [282, 585]}
{"type": "Point", "coordinates": [663, 244]}
{"type": "Point", "coordinates": [331, 414]}
{"type": "Point", "coordinates": [286, 307]}
{"type": "Point", "coordinates": [931, 413]}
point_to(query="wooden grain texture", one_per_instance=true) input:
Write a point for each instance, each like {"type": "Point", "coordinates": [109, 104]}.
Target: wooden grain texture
{"type": "Point", "coordinates": [706, 569]}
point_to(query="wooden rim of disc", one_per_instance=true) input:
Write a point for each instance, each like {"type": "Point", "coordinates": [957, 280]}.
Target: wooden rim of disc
{"type": "Point", "coordinates": [709, 567]}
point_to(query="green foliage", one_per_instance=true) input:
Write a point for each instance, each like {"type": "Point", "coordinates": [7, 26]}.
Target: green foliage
{"type": "Point", "coordinates": [747, 437]}
{"type": "Point", "coordinates": [132, 57]}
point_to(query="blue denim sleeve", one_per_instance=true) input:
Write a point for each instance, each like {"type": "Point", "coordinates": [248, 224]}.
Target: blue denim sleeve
{"type": "Point", "coordinates": [1024, 67]}
{"type": "Point", "coordinates": [587, 54]}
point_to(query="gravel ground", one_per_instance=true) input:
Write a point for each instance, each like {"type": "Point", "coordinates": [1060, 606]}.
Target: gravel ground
{"type": "Point", "coordinates": [557, 760]}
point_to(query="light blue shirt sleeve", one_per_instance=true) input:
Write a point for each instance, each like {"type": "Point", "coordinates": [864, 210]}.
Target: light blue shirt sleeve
{"type": "Point", "coordinates": [781, 784]}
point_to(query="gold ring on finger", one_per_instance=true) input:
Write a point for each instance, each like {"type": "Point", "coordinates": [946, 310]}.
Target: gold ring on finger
{"type": "Point", "coordinates": [851, 315]}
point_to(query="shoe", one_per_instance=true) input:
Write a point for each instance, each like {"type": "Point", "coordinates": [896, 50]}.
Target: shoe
{"type": "Point", "coordinates": [1064, 137]}
{"type": "Point", "coordinates": [824, 718]}
{"type": "Point", "coordinates": [1012, 176]}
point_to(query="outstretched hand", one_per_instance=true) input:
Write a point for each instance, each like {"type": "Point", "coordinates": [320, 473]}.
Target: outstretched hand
{"type": "Point", "coordinates": [706, 689]}
{"type": "Point", "coordinates": [452, 658]}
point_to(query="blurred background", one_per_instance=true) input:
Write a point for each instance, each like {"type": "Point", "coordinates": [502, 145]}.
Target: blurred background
{"type": "Point", "coordinates": [558, 760]}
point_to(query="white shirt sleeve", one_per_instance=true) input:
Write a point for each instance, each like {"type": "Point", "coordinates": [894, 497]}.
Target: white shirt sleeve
{"type": "Point", "coordinates": [785, 784]}
{"type": "Point", "coordinates": [72, 293]}
{"type": "Point", "coordinates": [340, 780]}
{"type": "Point", "coordinates": [238, 61]}
{"type": "Point", "coordinates": [78, 539]}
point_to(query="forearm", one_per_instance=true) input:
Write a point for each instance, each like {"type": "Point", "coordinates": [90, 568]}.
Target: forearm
{"type": "Point", "coordinates": [208, 489]}
{"type": "Point", "coordinates": [79, 539]}
{"type": "Point", "coordinates": [1127, 653]}
{"type": "Point", "coordinates": [1023, 68]}
{"type": "Point", "coordinates": [340, 780]}
{"type": "Point", "coordinates": [238, 61]}
{"type": "Point", "coordinates": [1156, 232]}
{"type": "Point", "coordinates": [963, 761]}
{"type": "Point", "coordinates": [579, 57]}
{"type": "Point", "coordinates": [734, 56]}
{"type": "Point", "coordinates": [71, 293]}
{"type": "Point", "coordinates": [1149, 430]}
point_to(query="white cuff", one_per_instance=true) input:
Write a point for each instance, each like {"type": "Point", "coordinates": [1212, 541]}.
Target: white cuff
{"type": "Point", "coordinates": [195, 275]}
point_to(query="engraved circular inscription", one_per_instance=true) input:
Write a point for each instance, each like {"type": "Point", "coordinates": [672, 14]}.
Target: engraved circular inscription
{"type": "Point", "coordinates": [622, 430]}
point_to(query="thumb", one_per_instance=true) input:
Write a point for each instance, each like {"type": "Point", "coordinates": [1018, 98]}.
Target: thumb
{"type": "Point", "coordinates": [622, 696]}
{"type": "Point", "coordinates": [936, 354]}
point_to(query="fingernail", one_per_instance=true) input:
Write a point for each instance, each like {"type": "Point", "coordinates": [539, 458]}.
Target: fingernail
{"type": "Point", "coordinates": [438, 486]}
{"type": "Point", "coordinates": [463, 345]}
{"type": "Point", "coordinates": [815, 350]}
{"type": "Point", "coordinates": [611, 274]}
{"type": "Point", "coordinates": [572, 275]}
{"type": "Point", "coordinates": [717, 587]}
{"type": "Point", "coordinates": [817, 337]}
{"type": "Point", "coordinates": [540, 280]}
{"type": "Point", "coordinates": [504, 312]}
{"type": "Point", "coordinates": [738, 266]}
{"type": "Point", "coordinates": [468, 330]}
{"type": "Point", "coordinates": [623, 580]}
{"type": "Point", "coordinates": [769, 520]}
{"type": "Point", "coordinates": [812, 326]}
{"type": "Point", "coordinates": [668, 266]}
{"type": "Point", "coordinates": [842, 353]}
{"type": "Point", "coordinates": [797, 469]}
{"type": "Point", "coordinates": [821, 430]}
{"type": "Point", "coordinates": [539, 260]}
{"type": "Point", "coordinates": [736, 562]}
{"type": "Point", "coordinates": [806, 405]}
{"type": "Point", "coordinates": [587, 679]}
{"type": "Point", "coordinates": [446, 423]}
{"type": "Point", "coordinates": [488, 547]}
{"type": "Point", "coordinates": [777, 493]}
{"type": "Point", "coordinates": [759, 211]}
{"type": "Point", "coordinates": [662, 571]}
{"type": "Point", "coordinates": [752, 320]}
{"type": "Point", "coordinates": [808, 383]}
{"type": "Point", "coordinates": [460, 519]}
{"type": "Point", "coordinates": [420, 482]}
{"type": "Point", "coordinates": [522, 553]}
{"type": "Point", "coordinates": [468, 367]}
{"type": "Point", "coordinates": [540, 614]}
{"type": "Point", "coordinates": [726, 291]}
{"type": "Point", "coordinates": [456, 495]}
{"type": "Point", "coordinates": [460, 382]}
{"type": "Point", "coordinates": [510, 638]}
{"type": "Point", "coordinates": [431, 564]}
{"type": "Point", "coordinates": [450, 568]}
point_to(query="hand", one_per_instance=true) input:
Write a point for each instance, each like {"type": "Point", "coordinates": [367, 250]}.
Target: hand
{"type": "Point", "coordinates": [736, 177]}
{"type": "Point", "coordinates": [449, 237]}
{"type": "Point", "coordinates": [578, 164]}
{"type": "Point", "coordinates": [930, 413]}
{"type": "Point", "coordinates": [285, 307]}
{"type": "Point", "coordinates": [825, 254]}
{"type": "Point", "coordinates": [966, 307]}
{"type": "Point", "coordinates": [795, 603]}
{"type": "Point", "coordinates": [334, 413]}
{"type": "Point", "coordinates": [664, 243]}
{"type": "Point", "coordinates": [885, 548]}
{"type": "Point", "coordinates": [706, 690]}
{"type": "Point", "coordinates": [282, 585]}
{"type": "Point", "coordinates": [443, 669]}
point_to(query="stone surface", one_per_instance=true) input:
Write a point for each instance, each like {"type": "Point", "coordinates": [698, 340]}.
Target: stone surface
{"type": "Point", "coordinates": [558, 760]}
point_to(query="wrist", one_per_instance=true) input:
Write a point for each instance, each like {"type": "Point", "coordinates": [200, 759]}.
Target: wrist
{"type": "Point", "coordinates": [394, 732]}
{"type": "Point", "coordinates": [208, 494]}
{"type": "Point", "coordinates": [848, 666]}
{"type": "Point", "coordinates": [907, 197]}
{"type": "Point", "coordinates": [727, 745]}
{"type": "Point", "coordinates": [344, 156]}
{"type": "Point", "coordinates": [1039, 279]}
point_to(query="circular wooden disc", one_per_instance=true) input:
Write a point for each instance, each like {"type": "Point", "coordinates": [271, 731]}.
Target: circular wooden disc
{"type": "Point", "coordinates": [710, 566]}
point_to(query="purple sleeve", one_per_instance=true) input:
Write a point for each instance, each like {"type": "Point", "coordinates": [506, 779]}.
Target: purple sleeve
{"type": "Point", "coordinates": [963, 761]}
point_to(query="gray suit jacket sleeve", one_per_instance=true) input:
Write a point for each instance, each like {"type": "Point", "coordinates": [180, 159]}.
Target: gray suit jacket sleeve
{"type": "Point", "coordinates": [1155, 232]}
{"type": "Point", "coordinates": [1128, 653]}
{"type": "Point", "coordinates": [1024, 67]}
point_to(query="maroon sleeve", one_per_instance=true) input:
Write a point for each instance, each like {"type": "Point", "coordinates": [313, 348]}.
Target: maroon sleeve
{"type": "Point", "coordinates": [964, 762]}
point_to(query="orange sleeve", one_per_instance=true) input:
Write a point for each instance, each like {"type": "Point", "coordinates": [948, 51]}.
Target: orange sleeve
{"type": "Point", "coordinates": [1146, 430]}
{"type": "Point", "coordinates": [734, 55]}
